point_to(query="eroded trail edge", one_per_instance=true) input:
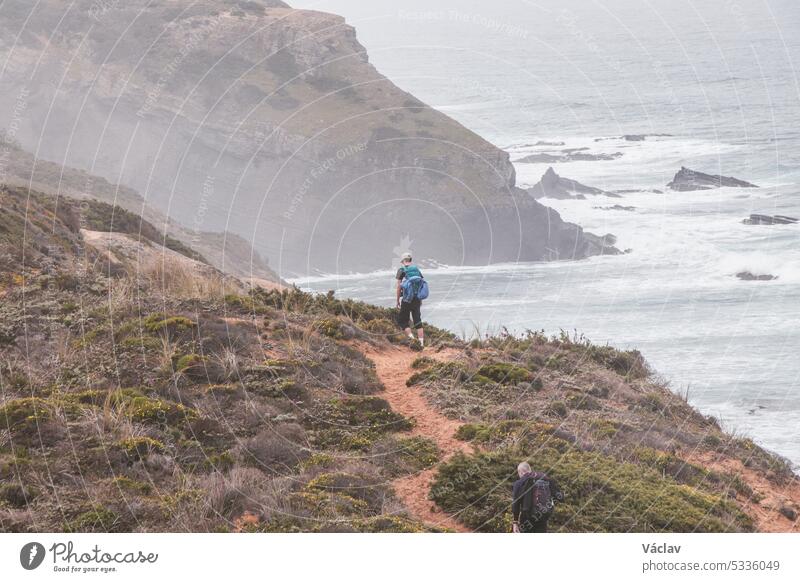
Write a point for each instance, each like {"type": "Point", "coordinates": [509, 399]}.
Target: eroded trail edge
{"type": "Point", "coordinates": [393, 367]}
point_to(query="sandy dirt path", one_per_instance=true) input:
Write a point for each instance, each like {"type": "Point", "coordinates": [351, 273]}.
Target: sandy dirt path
{"type": "Point", "coordinates": [393, 366]}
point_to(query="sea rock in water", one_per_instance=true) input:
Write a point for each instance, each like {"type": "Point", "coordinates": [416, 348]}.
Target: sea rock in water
{"type": "Point", "coordinates": [616, 207]}
{"type": "Point", "coordinates": [635, 136]}
{"type": "Point", "coordinates": [541, 159]}
{"type": "Point", "coordinates": [637, 190]}
{"type": "Point", "coordinates": [748, 276]}
{"type": "Point", "coordinates": [569, 155]}
{"type": "Point", "coordinates": [554, 186]}
{"type": "Point", "coordinates": [687, 180]}
{"type": "Point", "coordinates": [602, 245]}
{"type": "Point", "coordinates": [764, 219]}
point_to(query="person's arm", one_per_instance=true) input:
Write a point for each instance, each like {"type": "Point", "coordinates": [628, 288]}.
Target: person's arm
{"type": "Point", "coordinates": [516, 508]}
{"type": "Point", "coordinates": [399, 292]}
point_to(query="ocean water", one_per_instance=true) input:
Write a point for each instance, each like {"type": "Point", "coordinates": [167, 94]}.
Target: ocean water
{"type": "Point", "coordinates": [719, 77]}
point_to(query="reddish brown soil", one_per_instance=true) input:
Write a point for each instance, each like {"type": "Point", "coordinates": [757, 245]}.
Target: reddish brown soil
{"type": "Point", "coordinates": [766, 512]}
{"type": "Point", "coordinates": [393, 366]}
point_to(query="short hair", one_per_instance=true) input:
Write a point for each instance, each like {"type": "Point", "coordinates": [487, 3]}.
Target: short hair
{"type": "Point", "coordinates": [523, 468]}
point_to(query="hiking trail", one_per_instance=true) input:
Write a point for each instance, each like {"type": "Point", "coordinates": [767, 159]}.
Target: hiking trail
{"type": "Point", "coordinates": [393, 367]}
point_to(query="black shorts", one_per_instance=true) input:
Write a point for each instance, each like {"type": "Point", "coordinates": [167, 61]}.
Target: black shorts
{"type": "Point", "coordinates": [410, 310]}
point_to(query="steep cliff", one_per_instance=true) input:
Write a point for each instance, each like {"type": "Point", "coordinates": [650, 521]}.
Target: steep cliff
{"type": "Point", "coordinates": [269, 122]}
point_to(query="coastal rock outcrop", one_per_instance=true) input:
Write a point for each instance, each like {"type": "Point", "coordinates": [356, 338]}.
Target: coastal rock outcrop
{"type": "Point", "coordinates": [554, 186]}
{"type": "Point", "coordinates": [603, 245]}
{"type": "Point", "coordinates": [634, 136]}
{"type": "Point", "coordinates": [770, 220]}
{"type": "Point", "coordinates": [568, 155]}
{"type": "Point", "coordinates": [616, 207]}
{"type": "Point", "coordinates": [748, 276]}
{"type": "Point", "coordinates": [688, 180]}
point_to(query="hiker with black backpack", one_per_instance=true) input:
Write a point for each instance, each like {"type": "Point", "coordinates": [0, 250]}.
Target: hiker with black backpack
{"type": "Point", "coordinates": [412, 289]}
{"type": "Point", "coordinates": [534, 497]}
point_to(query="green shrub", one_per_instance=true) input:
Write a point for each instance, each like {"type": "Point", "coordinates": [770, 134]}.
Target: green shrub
{"type": "Point", "coordinates": [440, 371]}
{"type": "Point", "coordinates": [504, 373]}
{"type": "Point", "coordinates": [157, 411]}
{"type": "Point", "coordinates": [219, 462]}
{"type": "Point", "coordinates": [422, 362]}
{"type": "Point", "coordinates": [580, 401]}
{"type": "Point", "coordinates": [630, 364]}
{"type": "Point", "coordinates": [24, 413]}
{"type": "Point", "coordinates": [365, 412]}
{"type": "Point", "coordinates": [653, 402]}
{"type": "Point", "coordinates": [368, 492]}
{"type": "Point", "coordinates": [558, 408]}
{"type": "Point", "coordinates": [670, 465]}
{"type": "Point", "coordinates": [319, 460]}
{"type": "Point", "coordinates": [330, 327]}
{"type": "Point", "coordinates": [140, 447]}
{"type": "Point", "coordinates": [97, 519]}
{"type": "Point", "coordinates": [17, 494]}
{"type": "Point", "coordinates": [189, 361]}
{"type": "Point", "coordinates": [141, 342]}
{"type": "Point", "coordinates": [240, 302]}
{"type": "Point", "coordinates": [604, 428]}
{"type": "Point", "coordinates": [131, 486]}
{"type": "Point", "coordinates": [403, 456]}
{"type": "Point", "coordinates": [354, 423]}
{"type": "Point", "coordinates": [159, 322]}
{"type": "Point", "coordinates": [601, 494]}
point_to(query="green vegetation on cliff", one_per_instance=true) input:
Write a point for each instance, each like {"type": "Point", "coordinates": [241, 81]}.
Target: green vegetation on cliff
{"type": "Point", "coordinates": [127, 407]}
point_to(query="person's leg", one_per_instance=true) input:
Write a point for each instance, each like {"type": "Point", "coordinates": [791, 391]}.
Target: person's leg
{"type": "Point", "coordinates": [416, 314]}
{"type": "Point", "coordinates": [404, 317]}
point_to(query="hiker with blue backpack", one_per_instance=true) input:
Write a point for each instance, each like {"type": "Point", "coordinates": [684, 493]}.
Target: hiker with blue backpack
{"type": "Point", "coordinates": [534, 497]}
{"type": "Point", "coordinates": [412, 289]}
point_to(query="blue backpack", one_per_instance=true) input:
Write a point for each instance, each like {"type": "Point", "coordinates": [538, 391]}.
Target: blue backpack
{"type": "Point", "coordinates": [414, 284]}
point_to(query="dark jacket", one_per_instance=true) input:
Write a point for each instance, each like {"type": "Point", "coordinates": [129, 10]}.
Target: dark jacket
{"type": "Point", "coordinates": [523, 485]}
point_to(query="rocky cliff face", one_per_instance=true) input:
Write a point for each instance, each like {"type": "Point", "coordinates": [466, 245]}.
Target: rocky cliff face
{"type": "Point", "coordinates": [270, 122]}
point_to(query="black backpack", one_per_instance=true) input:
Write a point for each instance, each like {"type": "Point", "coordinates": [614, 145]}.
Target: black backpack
{"type": "Point", "coordinates": [537, 499]}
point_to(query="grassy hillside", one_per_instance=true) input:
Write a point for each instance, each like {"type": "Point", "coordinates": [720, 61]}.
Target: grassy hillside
{"type": "Point", "coordinates": [127, 409]}
{"type": "Point", "coordinates": [135, 401]}
{"type": "Point", "coordinates": [108, 206]}
{"type": "Point", "coordinates": [598, 421]}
